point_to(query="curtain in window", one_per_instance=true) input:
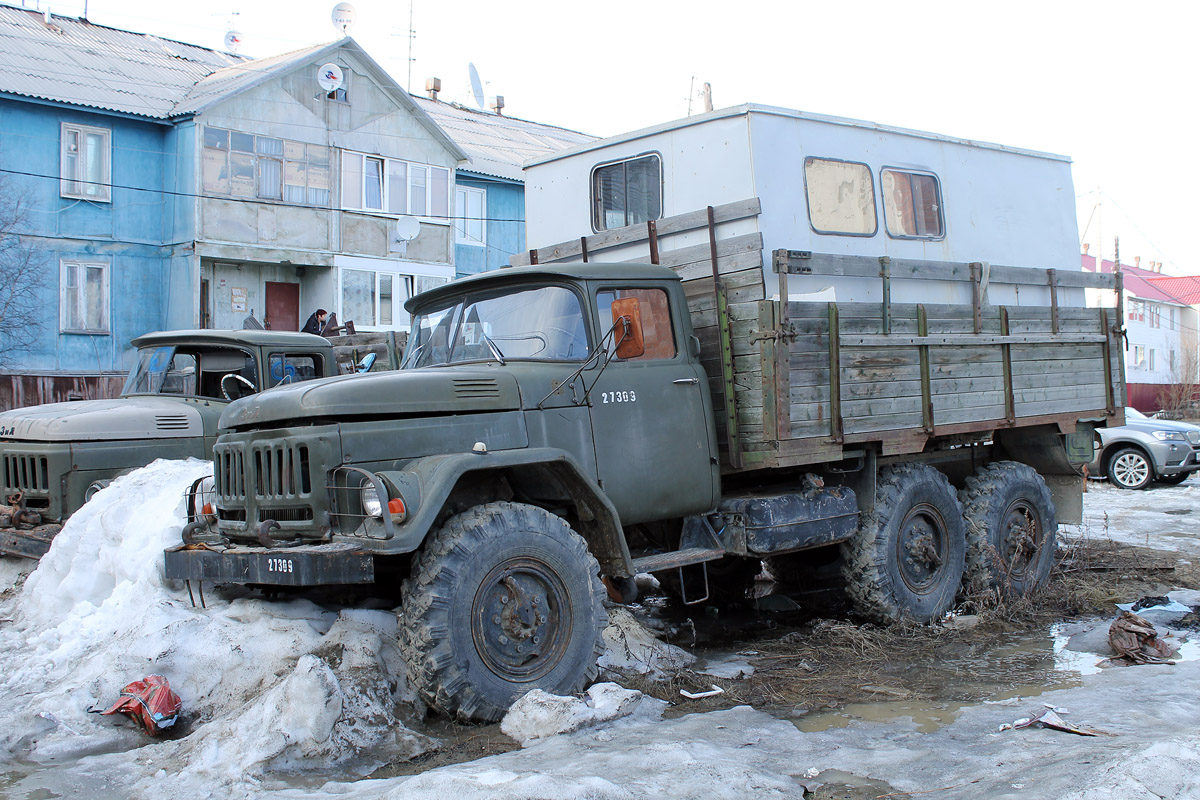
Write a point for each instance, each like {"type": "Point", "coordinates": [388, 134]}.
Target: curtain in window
{"type": "Point", "coordinates": [94, 164]}
{"type": "Point", "coordinates": [94, 316]}
{"type": "Point", "coordinates": [643, 190]}
{"type": "Point", "coordinates": [416, 193]}
{"type": "Point", "coordinates": [397, 187]}
{"type": "Point", "coordinates": [270, 178]}
{"type": "Point", "coordinates": [385, 299]}
{"type": "Point", "coordinates": [358, 296]}
{"type": "Point", "coordinates": [71, 320]}
{"type": "Point", "coordinates": [439, 194]}
{"type": "Point", "coordinates": [71, 161]}
{"type": "Point", "coordinates": [373, 184]}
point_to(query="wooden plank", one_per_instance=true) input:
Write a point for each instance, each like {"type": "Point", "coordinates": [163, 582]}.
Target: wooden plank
{"type": "Point", "coordinates": [968, 340]}
{"type": "Point", "coordinates": [799, 262]}
{"type": "Point", "coordinates": [633, 234]}
{"type": "Point", "coordinates": [738, 254]}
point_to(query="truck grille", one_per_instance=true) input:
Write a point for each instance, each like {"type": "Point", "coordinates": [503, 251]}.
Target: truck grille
{"type": "Point", "coordinates": [270, 471]}
{"type": "Point", "coordinates": [26, 473]}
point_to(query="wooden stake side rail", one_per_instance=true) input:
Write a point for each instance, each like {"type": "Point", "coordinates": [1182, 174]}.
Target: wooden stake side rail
{"type": "Point", "coordinates": [795, 384]}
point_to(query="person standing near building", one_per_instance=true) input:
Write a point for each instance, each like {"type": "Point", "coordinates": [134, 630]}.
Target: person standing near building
{"type": "Point", "coordinates": [316, 322]}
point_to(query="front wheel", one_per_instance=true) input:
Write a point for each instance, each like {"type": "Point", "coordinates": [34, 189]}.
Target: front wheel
{"type": "Point", "coordinates": [906, 559]}
{"type": "Point", "coordinates": [1130, 468]}
{"type": "Point", "coordinates": [504, 598]}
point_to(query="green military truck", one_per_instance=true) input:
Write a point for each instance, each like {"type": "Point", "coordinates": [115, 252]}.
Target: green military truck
{"type": "Point", "coordinates": [556, 429]}
{"type": "Point", "coordinates": [56, 456]}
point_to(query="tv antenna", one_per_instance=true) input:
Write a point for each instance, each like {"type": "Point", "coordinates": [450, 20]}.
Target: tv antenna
{"type": "Point", "coordinates": [343, 17]}
{"type": "Point", "coordinates": [330, 77]}
{"type": "Point", "coordinates": [233, 41]}
{"type": "Point", "coordinates": [476, 86]}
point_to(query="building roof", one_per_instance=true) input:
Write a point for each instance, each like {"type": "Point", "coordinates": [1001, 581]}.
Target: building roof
{"type": "Point", "coordinates": [229, 80]}
{"type": "Point", "coordinates": [754, 108]}
{"type": "Point", "coordinates": [498, 145]}
{"type": "Point", "coordinates": [1145, 284]}
{"type": "Point", "coordinates": [1184, 287]}
{"type": "Point", "coordinates": [75, 61]}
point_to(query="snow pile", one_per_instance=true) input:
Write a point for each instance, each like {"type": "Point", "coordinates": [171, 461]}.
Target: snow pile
{"type": "Point", "coordinates": [539, 714]}
{"type": "Point", "coordinates": [631, 647]}
{"type": "Point", "coordinates": [265, 685]}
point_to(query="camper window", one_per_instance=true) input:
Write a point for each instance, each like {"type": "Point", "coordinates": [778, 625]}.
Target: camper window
{"type": "Point", "coordinates": [912, 204]}
{"type": "Point", "coordinates": [841, 197]}
{"type": "Point", "coordinates": [627, 192]}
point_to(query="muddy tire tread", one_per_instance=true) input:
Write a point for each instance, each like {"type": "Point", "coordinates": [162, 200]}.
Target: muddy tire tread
{"type": "Point", "coordinates": [424, 635]}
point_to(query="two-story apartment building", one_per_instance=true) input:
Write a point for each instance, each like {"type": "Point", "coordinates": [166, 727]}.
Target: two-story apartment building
{"type": "Point", "coordinates": [172, 186]}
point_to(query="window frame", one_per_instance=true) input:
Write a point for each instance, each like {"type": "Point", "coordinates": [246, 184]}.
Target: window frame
{"type": "Point", "coordinates": [595, 217]}
{"type": "Point", "coordinates": [677, 338]}
{"type": "Point", "coordinates": [808, 203]}
{"type": "Point", "coordinates": [80, 177]}
{"type": "Point", "coordinates": [81, 302]}
{"type": "Point", "coordinates": [937, 183]}
{"type": "Point", "coordinates": [461, 235]}
{"type": "Point", "coordinates": [429, 215]}
{"type": "Point", "coordinates": [257, 159]}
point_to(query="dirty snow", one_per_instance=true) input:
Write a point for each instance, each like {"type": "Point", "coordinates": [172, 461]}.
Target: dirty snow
{"type": "Point", "coordinates": [273, 688]}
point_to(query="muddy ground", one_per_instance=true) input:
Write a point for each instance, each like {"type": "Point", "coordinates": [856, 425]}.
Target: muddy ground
{"type": "Point", "coordinates": [810, 662]}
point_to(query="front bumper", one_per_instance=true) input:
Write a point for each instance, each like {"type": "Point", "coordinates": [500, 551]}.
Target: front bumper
{"type": "Point", "coordinates": [304, 565]}
{"type": "Point", "coordinates": [31, 543]}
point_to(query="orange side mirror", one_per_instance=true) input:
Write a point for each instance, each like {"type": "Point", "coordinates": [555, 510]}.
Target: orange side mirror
{"type": "Point", "coordinates": [627, 327]}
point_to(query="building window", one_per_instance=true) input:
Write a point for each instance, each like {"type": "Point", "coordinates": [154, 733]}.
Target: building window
{"type": "Point", "coordinates": [1150, 360]}
{"type": "Point", "coordinates": [1139, 355]}
{"type": "Point", "coordinates": [389, 186]}
{"type": "Point", "coordinates": [1137, 311]}
{"type": "Point", "coordinates": [912, 205]}
{"type": "Point", "coordinates": [83, 299]}
{"type": "Point", "coordinates": [1171, 359]}
{"type": "Point", "coordinates": [86, 169]}
{"type": "Point", "coordinates": [1155, 315]}
{"type": "Point", "coordinates": [1172, 318]}
{"type": "Point", "coordinates": [841, 197]}
{"type": "Point", "coordinates": [342, 93]}
{"type": "Point", "coordinates": [243, 165]}
{"type": "Point", "coordinates": [470, 207]}
{"type": "Point", "coordinates": [627, 192]}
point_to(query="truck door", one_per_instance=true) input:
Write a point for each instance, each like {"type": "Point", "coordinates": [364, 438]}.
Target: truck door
{"type": "Point", "coordinates": [650, 415]}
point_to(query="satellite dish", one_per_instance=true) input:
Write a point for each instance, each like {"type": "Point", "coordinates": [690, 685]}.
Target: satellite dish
{"type": "Point", "coordinates": [343, 17]}
{"type": "Point", "coordinates": [330, 77]}
{"type": "Point", "coordinates": [407, 228]}
{"type": "Point", "coordinates": [476, 85]}
{"type": "Point", "coordinates": [233, 41]}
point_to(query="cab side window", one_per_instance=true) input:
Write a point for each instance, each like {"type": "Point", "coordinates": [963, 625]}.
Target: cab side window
{"type": "Point", "coordinates": [293, 367]}
{"type": "Point", "coordinates": [656, 321]}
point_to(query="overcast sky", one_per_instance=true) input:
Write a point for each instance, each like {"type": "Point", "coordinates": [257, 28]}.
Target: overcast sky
{"type": "Point", "coordinates": [1112, 85]}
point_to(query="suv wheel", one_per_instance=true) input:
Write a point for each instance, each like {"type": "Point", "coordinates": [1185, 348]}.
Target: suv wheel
{"type": "Point", "coordinates": [1129, 468]}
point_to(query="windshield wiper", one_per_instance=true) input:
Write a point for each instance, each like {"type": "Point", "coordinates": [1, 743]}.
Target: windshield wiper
{"type": "Point", "coordinates": [495, 350]}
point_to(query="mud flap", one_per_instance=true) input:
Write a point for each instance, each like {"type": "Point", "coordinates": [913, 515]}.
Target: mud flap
{"type": "Point", "coordinates": [317, 565]}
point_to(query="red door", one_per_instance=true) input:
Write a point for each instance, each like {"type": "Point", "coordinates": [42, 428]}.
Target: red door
{"type": "Point", "coordinates": [283, 306]}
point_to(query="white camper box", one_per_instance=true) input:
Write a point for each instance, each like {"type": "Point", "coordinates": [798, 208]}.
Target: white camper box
{"type": "Point", "coordinates": [993, 205]}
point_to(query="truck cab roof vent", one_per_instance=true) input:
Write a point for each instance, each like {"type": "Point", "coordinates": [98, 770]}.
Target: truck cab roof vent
{"type": "Point", "coordinates": [476, 387]}
{"type": "Point", "coordinates": [171, 422]}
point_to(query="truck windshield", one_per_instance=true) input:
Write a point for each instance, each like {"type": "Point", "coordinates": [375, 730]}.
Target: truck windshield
{"type": "Point", "coordinates": [545, 324]}
{"type": "Point", "coordinates": [215, 372]}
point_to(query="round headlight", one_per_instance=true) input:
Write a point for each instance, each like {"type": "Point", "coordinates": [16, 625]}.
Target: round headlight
{"type": "Point", "coordinates": [94, 487]}
{"type": "Point", "coordinates": [372, 507]}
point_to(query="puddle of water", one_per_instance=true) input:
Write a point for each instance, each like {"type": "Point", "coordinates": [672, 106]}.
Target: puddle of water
{"type": "Point", "coordinates": [928, 716]}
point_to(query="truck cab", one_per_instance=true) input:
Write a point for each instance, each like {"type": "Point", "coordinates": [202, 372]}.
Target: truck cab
{"type": "Point", "coordinates": [54, 457]}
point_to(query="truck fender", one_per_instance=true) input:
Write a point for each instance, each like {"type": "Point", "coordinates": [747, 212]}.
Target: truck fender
{"type": "Point", "coordinates": [426, 484]}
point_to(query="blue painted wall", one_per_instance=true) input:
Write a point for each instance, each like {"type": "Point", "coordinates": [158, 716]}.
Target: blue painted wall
{"type": "Point", "coordinates": [132, 232]}
{"type": "Point", "coordinates": [505, 225]}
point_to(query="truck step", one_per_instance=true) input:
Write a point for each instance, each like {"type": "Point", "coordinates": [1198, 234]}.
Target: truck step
{"type": "Point", "coordinates": [677, 558]}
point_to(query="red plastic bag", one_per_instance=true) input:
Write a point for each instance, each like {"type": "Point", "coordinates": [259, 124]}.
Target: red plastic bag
{"type": "Point", "coordinates": [150, 703]}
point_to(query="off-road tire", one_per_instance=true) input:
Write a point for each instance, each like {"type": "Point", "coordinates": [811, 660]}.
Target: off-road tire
{"type": "Point", "coordinates": [514, 563]}
{"type": "Point", "coordinates": [729, 581]}
{"type": "Point", "coordinates": [1173, 480]}
{"type": "Point", "coordinates": [1011, 529]}
{"type": "Point", "coordinates": [906, 558]}
{"type": "Point", "coordinates": [1129, 468]}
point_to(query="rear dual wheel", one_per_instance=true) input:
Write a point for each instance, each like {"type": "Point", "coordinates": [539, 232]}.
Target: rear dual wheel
{"type": "Point", "coordinates": [1011, 529]}
{"type": "Point", "coordinates": [907, 557]}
